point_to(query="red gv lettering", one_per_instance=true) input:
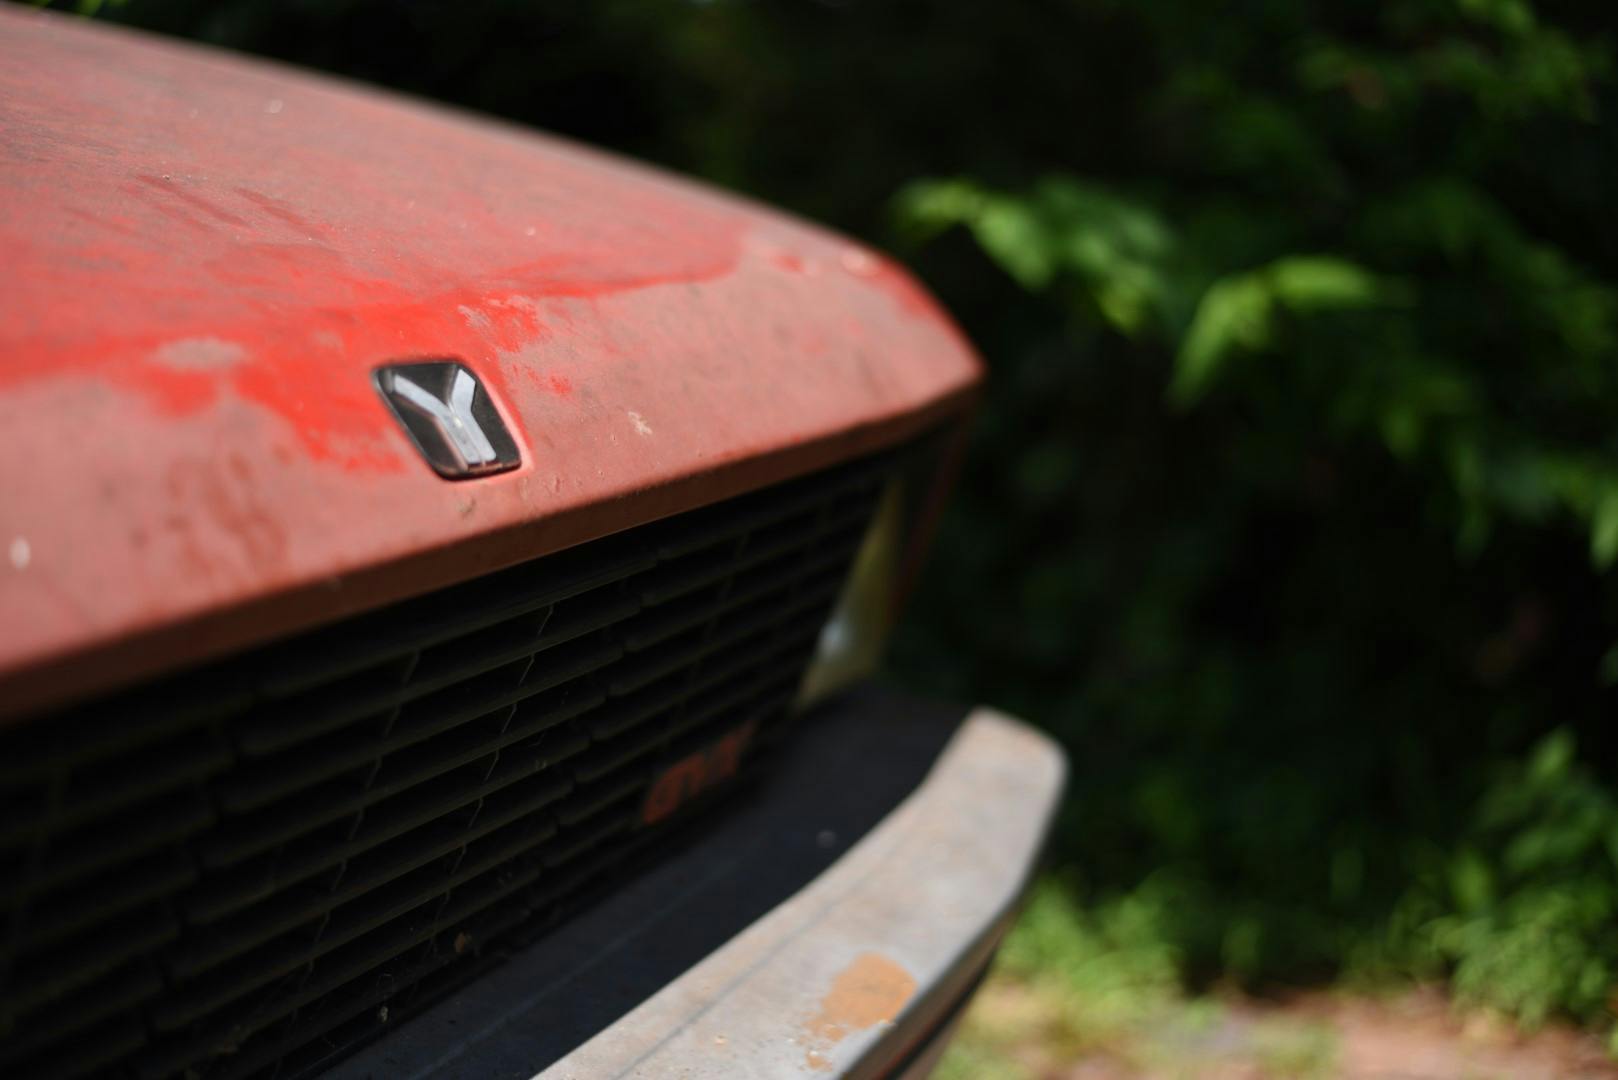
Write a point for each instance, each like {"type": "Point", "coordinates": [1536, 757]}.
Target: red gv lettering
{"type": "Point", "coordinates": [695, 773]}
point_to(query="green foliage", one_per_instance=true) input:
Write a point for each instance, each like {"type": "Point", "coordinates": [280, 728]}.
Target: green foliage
{"type": "Point", "coordinates": [1134, 269]}
{"type": "Point", "coordinates": [1101, 983]}
{"type": "Point", "coordinates": [1117, 249]}
{"type": "Point", "coordinates": [1116, 959]}
{"type": "Point", "coordinates": [1398, 337]}
{"type": "Point", "coordinates": [1366, 351]}
{"type": "Point", "coordinates": [1294, 495]}
{"type": "Point", "coordinates": [1239, 312]}
{"type": "Point", "coordinates": [1526, 911]}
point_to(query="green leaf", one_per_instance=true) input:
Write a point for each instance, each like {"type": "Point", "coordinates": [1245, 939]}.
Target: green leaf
{"type": "Point", "coordinates": [928, 207]}
{"type": "Point", "coordinates": [1604, 529]}
{"type": "Point", "coordinates": [1471, 882]}
{"type": "Point", "coordinates": [1234, 313]}
{"type": "Point", "coordinates": [1511, 16]}
{"type": "Point", "coordinates": [1238, 312]}
{"type": "Point", "coordinates": [1012, 234]}
{"type": "Point", "coordinates": [1552, 757]}
{"type": "Point", "coordinates": [1307, 283]}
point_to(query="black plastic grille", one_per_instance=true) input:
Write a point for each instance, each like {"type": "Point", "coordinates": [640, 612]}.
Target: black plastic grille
{"type": "Point", "coordinates": [252, 867]}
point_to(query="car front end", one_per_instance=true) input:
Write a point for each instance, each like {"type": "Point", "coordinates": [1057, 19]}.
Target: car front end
{"type": "Point", "coordinates": [445, 573]}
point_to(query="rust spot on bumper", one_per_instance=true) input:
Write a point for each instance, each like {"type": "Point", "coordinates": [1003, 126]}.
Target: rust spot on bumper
{"type": "Point", "coordinates": [870, 991]}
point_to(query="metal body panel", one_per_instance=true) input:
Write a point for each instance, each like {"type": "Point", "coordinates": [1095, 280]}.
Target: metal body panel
{"type": "Point", "coordinates": [207, 258]}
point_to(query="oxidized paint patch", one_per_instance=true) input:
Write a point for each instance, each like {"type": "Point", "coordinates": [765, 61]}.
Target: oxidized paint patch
{"type": "Point", "coordinates": [872, 990]}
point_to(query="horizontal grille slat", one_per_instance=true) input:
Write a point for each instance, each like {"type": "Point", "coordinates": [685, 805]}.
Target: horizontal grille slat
{"type": "Point", "coordinates": [97, 1047]}
{"type": "Point", "coordinates": [131, 885]}
{"type": "Point", "coordinates": [754, 621]}
{"type": "Point", "coordinates": [351, 958]}
{"type": "Point", "coordinates": [324, 656]}
{"type": "Point", "coordinates": [126, 987]}
{"type": "Point", "coordinates": [48, 974]}
{"type": "Point", "coordinates": [401, 681]}
{"type": "Point", "coordinates": [507, 801]}
{"type": "Point", "coordinates": [620, 714]}
{"type": "Point", "coordinates": [297, 863]}
{"type": "Point", "coordinates": [395, 773]}
{"type": "Point", "coordinates": [715, 524]}
{"type": "Point", "coordinates": [493, 844]}
{"type": "Point", "coordinates": [156, 823]}
{"type": "Point", "coordinates": [269, 779]}
{"type": "Point", "coordinates": [230, 871]}
{"type": "Point", "coordinates": [106, 788]}
{"type": "Point", "coordinates": [135, 719]}
{"type": "Point", "coordinates": [670, 619]}
{"type": "Point", "coordinates": [714, 565]}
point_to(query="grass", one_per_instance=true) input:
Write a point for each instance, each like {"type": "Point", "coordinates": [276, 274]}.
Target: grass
{"type": "Point", "coordinates": [1096, 993]}
{"type": "Point", "coordinates": [1076, 984]}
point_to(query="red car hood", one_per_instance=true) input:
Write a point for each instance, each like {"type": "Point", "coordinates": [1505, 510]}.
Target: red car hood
{"type": "Point", "coordinates": [207, 257]}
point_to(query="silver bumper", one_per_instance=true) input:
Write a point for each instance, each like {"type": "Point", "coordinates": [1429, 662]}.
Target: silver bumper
{"type": "Point", "coordinates": [856, 974]}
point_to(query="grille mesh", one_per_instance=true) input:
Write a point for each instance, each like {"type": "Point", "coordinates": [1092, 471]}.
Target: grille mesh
{"type": "Point", "coordinates": [250, 868]}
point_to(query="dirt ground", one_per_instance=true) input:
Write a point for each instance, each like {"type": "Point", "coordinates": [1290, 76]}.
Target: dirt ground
{"type": "Point", "coordinates": [1419, 1037]}
{"type": "Point", "coordinates": [1415, 1036]}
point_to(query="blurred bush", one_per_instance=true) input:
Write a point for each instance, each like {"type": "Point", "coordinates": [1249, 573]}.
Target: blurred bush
{"type": "Point", "coordinates": [1307, 638]}
{"type": "Point", "coordinates": [1306, 644]}
{"type": "Point", "coordinates": [1296, 486]}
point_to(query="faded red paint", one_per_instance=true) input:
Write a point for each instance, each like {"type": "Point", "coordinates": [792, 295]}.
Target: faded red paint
{"type": "Point", "coordinates": [205, 259]}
